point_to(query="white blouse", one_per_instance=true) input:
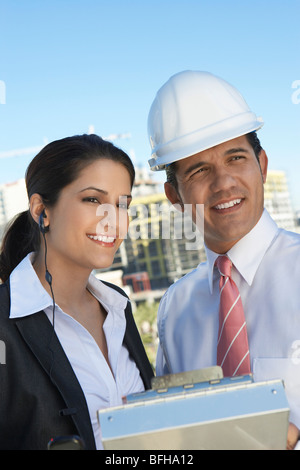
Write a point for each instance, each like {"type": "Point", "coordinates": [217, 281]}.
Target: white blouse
{"type": "Point", "coordinates": [101, 387]}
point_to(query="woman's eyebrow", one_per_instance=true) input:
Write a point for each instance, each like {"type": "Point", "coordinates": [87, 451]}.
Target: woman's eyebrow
{"type": "Point", "coordinates": [102, 191]}
{"type": "Point", "coordinates": [94, 189]}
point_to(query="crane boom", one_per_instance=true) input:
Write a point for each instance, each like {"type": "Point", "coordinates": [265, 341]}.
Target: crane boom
{"type": "Point", "coordinates": [32, 150]}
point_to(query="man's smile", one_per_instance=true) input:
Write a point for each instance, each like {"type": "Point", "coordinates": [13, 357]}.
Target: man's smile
{"type": "Point", "coordinates": [229, 204]}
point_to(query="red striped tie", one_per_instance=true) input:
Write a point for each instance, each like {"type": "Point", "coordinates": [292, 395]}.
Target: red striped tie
{"type": "Point", "coordinates": [233, 350]}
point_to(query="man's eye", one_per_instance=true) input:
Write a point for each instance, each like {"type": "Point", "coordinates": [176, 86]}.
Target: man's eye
{"type": "Point", "coordinates": [199, 171]}
{"type": "Point", "coordinates": [238, 157]}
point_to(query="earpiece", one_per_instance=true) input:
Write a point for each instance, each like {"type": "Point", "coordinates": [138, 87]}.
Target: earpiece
{"type": "Point", "coordinates": [42, 227]}
{"type": "Point", "coordinates": [44, 230]}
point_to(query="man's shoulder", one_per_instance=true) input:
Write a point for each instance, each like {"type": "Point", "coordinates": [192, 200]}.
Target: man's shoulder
{"type": "Point", "coordinates": [197, 273]}
{"type": "Point", "coordinates": [197, 276]}
{"type": "Point", "coordinates": [284, 253]}
{"type": "Point", "coordinates": [288, 239]}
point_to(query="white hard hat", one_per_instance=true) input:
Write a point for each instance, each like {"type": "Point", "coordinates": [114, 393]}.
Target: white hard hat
{"type": "Point", "coordinates": [194, 111]}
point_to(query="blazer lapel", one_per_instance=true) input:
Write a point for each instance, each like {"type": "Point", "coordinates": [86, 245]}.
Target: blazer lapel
{"type": "Point", "coordinates": [134, 344]}
{"type": "Point", "coordinates": [38, 333]}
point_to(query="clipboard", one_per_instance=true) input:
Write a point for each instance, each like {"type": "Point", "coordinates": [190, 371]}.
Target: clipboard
{"type": "Point", "coordinates": [200, 410]}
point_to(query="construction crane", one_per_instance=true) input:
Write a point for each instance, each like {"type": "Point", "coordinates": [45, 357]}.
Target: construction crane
{"type": "Point", "coordinates": [33, 150]}
{"type": "Point", "coordinates": [21, 152]}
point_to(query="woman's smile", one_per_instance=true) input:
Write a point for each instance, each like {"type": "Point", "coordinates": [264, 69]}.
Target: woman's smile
{"type": "Point", "coordinates": [103, 240]}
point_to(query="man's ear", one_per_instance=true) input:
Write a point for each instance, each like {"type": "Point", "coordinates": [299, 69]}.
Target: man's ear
{"type": "Point", "coordinates": [263, 162]}
{"type": "Point", "coordinates": [173, 196]}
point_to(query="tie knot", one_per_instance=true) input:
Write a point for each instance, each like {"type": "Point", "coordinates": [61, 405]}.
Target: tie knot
{"type": "Point", "coordinates": [224, 265]}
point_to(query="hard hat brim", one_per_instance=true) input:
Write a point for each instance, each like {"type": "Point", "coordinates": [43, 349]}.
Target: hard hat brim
{"type": "Point", "coordinates": [203, 139]}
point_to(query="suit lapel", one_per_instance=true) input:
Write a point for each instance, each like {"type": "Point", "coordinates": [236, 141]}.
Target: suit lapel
{"type": "Point", "coordinates": [38, 333]}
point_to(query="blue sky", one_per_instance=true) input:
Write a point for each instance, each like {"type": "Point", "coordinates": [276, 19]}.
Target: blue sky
{"type": "Point", "coordinates": [69, 64]}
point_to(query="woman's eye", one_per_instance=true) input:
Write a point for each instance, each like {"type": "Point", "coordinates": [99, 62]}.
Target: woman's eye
{"type": "Point", "coordinates": [91, 199]}
{"type": "Point", "coordinates": [124, 206]}
{"type": "Point", "coordinates": [123, 203]}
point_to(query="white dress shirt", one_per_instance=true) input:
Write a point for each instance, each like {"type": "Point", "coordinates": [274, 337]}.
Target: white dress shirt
{"type": "Point", "coordinates": [267, 272]}
{"type": "Point", "coordinates": [101, 388]}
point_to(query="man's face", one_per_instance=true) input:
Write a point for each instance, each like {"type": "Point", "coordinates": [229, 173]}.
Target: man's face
{"type": "Point", "coordinates": [228, 180]}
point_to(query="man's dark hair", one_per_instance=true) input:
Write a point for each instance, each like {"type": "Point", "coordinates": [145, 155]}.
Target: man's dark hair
{"type": "Point", "coordinates": [252, 139]}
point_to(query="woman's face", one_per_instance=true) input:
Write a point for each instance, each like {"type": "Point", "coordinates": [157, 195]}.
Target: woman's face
{"type": "Point", "coordinates": [90, 219]}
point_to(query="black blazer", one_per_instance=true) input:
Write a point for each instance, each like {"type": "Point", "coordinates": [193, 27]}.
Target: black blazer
{"type": "Point", "coordinates": [40, 396]}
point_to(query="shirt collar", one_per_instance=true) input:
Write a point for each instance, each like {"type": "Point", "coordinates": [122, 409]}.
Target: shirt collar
{"type": "Point", "coordinates": [247, 253]}
{"type": "Point", "coordinates": [28, 296]}
{"type": "Point", "coordinates": [109, 297]}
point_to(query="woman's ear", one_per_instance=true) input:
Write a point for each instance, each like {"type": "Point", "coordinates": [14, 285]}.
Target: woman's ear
{"type": "Point", "coordinates": [37, 207]}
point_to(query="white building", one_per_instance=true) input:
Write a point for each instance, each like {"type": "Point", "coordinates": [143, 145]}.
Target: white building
{"type": "Point", "coordinates": [145, 184]}
{"type": "Point", "coordinates": [13, 199]}
{"type": "Point", "coordinates": [277, 200]}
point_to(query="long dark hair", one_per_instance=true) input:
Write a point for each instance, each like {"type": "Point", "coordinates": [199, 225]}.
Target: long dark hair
{"type": "Point", "coordinates": [57, 165]}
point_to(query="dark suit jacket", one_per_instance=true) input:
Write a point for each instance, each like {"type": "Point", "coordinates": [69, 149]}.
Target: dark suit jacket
{"type": "Point", "coordinates": [40, 396]}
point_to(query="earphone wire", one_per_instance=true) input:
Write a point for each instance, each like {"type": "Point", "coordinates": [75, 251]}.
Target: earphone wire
{"type": "Point", "coordinates": [48, 278]}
